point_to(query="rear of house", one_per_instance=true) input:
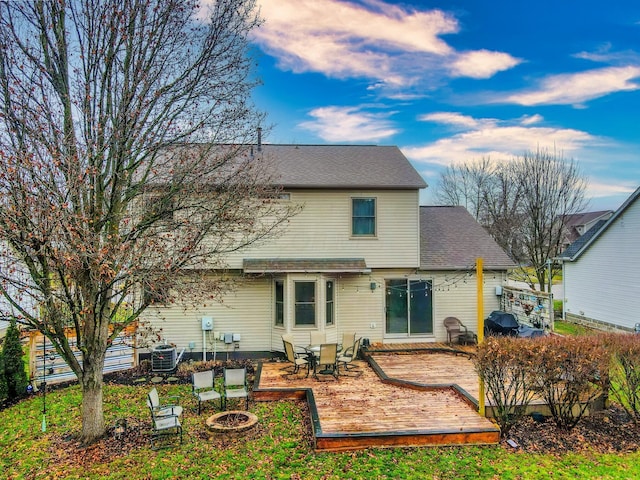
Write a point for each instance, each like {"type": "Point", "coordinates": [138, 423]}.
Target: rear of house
{"type": "Point", "coordinates": [361, 256]}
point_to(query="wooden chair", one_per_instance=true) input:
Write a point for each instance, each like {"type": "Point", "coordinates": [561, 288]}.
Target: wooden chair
{"type": "Point", "coordinates": [204, 388]}
{"type": "Point", "coordinates": [165, 419]}
{"type": "Point", "coordinates": [455, 329]}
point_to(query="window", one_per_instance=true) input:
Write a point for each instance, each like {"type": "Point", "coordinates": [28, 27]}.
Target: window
{"type": "Point", "coordinates": [363, 217]}
{"type": "Point", "coordinates": [279, 306]}
{"type": "Point", "coordinates": [305, 308]}
{"type": "Point", "coordinates": [329, 312]}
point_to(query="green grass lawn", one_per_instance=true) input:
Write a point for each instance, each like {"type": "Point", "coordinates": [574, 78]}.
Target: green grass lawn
{"type": "Point", "coordinates": [568, 328]}
{"type": "Point", "coordinates": [279, 448]}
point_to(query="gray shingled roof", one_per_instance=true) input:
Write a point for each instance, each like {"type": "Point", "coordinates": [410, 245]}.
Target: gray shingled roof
{"type": "Point", "coordinates": [450, 238]}
{"type": "Point", "coordinates": [341, 166]}
{"type": "Point", "coordinates": [582, 240]}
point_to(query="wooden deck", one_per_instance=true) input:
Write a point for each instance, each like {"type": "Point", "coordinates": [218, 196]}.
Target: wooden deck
{"type": "Point", "coordinates": [391, 403]}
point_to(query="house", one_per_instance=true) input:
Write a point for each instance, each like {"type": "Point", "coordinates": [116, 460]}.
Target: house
{"type": "Point", "coordinates": [600, 271]}
{"type": "Point", "coordinates": [361, 256]}
{"type": "Point", "coordinates": [577, 224]}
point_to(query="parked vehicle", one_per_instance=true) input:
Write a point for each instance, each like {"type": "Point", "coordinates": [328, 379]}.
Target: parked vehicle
{"type": "Point", "coordinates": [503, 323]}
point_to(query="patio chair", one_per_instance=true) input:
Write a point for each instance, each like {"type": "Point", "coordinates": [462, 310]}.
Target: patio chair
{"type": "Point", "coordinates": [235, 385]}
{"type": "Point", "coordinates": [204, 388]}
{"type": "Point", "coordinates": [348, 339]}
{"type": "Point", "coordinates": [328, 360]}
{"type": "Point", "coordinates": [347, 356]}
{"type": "Point", "coordinates": [165, 419]}
{"type": "Point", "coordinates": [296, 359]}
{"type": "Point", "coordinates": [455, 329]}
{"type": "Point", "coordinates": [287, 337]}
{"type": "Point", "coordinates": [317, 338]}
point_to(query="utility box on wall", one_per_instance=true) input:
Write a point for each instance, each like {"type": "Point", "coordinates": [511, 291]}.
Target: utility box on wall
{"type": "Point", "coordinates": [207, 324]}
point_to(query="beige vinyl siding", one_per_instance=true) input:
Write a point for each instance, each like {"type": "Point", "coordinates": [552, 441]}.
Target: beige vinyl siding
{"type": "Point", "coordinates": [247, 311]}
{"type": "Point", "coordinates": [454, 294]}
{"type": "Point", "coordinates": [323, 230]}
{"type": "Point", "coordinates": [359, 307]}
{"type": "Point", "coordinates": [602, 284]}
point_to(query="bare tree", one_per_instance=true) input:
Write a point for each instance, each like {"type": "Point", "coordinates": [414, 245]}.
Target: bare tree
{"type": "Point", "coordinates": [466, 185]}
{"type": "Point", "coordinates": [551, 187]}
{"type": "Point", "coordinates": [520, 202]}
{"type": "Point", "coordinates": [124, 167]}
{"type": "Point", "coordinates": [487, 190]}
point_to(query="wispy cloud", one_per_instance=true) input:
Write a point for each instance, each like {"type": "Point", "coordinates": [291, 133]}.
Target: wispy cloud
{"type": "Point", "coordinates": [455, 119]}
{"type": "Point", "coordinates": [482, 63]}
{"type": "Point", "coordinates": [577, 88]}
{"type": "Point", "coordinates": [500, 140]}
{"type": "Point", "coordinates": [348, 124]}
{"type": "Point", "coordinates": [599, 189]}
{"type": "Point", "coordinates": [384, 43]}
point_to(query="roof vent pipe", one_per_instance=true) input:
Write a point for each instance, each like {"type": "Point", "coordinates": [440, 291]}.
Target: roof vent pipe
{"type": "Point", "coordinates": [259, 139]}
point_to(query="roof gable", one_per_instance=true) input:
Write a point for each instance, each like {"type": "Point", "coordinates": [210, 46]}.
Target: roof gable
{"type": "Point", "coordinates": [451, 239]}
{"type": "Point", "coordinates": [572, 253]}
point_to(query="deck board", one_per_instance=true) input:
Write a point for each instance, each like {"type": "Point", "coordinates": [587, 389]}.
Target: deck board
{"type": "Point", "coordinates": [363, 411]}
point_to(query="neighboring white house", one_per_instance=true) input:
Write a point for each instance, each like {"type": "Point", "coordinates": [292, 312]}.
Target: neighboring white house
{"type": "Point", "coordinates": [361, 256]}
{"type": "Point", "coordinates": [601, 271]}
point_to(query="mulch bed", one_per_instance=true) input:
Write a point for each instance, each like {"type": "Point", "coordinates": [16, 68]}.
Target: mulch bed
{"type": "Point", "coordinates": [607, 431]}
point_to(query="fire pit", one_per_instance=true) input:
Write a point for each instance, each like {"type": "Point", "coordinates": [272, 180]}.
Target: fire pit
{"type": "Point", "coordinates": [231, 421]}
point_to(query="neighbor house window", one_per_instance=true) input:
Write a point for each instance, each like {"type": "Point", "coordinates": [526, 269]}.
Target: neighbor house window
{"type": "Point", "coordinates": [279, 306]}
{"type": "Point", "coordinates": [305, 303]}
{"type": "Point", "coordinates": [363, 217]}
{"type": "Point", "coordinates": [329, 302]}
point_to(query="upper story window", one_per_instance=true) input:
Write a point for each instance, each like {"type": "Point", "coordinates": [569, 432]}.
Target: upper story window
{"type": "Point", "coordinates": [305, 307]}
{"type": "Point", "coordinates": [363, 217]}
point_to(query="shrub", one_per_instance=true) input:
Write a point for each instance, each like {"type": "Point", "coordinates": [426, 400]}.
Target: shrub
{"type": "Point", "coordinates": [14, 372]}
{"type": "Point", "coordinates": [625, 372]}
{"type": "Point", "coordinates": [569, 374]}
{"type": "Point", "coordinates": [504, 364]}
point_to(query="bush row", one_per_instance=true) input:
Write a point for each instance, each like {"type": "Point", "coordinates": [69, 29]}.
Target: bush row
{"type": "Point", "coordinates": [567, 373]}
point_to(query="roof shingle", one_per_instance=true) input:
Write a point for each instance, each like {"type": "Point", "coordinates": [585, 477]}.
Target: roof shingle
{"type": "Point", "coordinates": [451, 239]}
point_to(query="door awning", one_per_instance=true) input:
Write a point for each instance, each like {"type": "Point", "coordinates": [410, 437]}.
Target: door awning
{"type": "Point", "coordinates": [305, 265]}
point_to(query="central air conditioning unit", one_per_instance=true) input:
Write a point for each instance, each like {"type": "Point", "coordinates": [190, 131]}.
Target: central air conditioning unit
{"type": "Point", "coordinates": [163, 358]}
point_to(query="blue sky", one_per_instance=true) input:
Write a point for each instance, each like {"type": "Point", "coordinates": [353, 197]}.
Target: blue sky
{"type": "Point", "coordinates": [454, 81]}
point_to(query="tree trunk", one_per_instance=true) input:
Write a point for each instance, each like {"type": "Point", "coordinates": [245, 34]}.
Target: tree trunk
{"type": "Point", "coordinates": [93, 426]}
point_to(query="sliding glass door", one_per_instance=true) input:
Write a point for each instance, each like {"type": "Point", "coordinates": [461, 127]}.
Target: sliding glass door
{"type": "Point", "coordinates": [409, 307]}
